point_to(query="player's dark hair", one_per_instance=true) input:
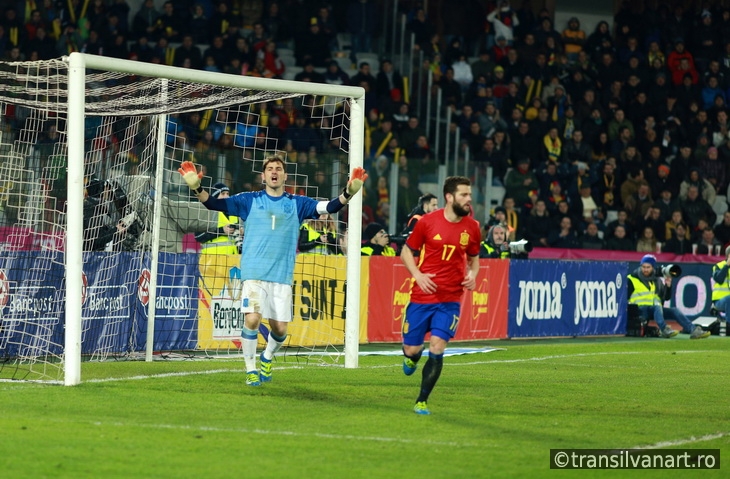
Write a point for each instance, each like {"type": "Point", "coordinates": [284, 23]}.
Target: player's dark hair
{"type": "Point", "coordinates": [426, 199]}
{"type": "Point", "coordinates": [452, 183]}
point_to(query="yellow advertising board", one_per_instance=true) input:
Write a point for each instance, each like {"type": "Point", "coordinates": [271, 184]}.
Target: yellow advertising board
{"type": "Point", "coordinates": [318, 310]}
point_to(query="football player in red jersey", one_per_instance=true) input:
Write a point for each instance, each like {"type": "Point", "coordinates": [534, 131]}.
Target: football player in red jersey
{"type": "Point", "coordinates": [447, 244]}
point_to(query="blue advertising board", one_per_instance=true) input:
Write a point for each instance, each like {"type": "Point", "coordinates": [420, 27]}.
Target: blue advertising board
{"type": "Point", "coordinates": [176, 304]}
{"type": "Point", "coordinates": [566, 298]}
{"type": "Point", "coordinates": [113, 313]}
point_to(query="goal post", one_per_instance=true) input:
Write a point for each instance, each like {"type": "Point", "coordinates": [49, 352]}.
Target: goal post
{"type": "Point", "coordinates": [106, 109]}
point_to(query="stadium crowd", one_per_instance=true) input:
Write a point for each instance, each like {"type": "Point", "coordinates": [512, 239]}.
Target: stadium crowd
{"type": "Point", "coordinates": [617, 138]}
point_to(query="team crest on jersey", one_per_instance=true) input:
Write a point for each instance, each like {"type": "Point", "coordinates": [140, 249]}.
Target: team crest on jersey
{"type": "Point", "coordinates": [464, 239]}
{"type": "Point", "coordinates": [288, 207]}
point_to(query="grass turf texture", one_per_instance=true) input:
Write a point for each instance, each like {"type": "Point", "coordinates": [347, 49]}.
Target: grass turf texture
{"type": "Point", "coordinates": [493, 415]}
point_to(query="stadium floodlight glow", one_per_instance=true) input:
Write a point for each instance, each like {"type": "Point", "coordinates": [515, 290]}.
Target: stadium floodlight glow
{"type": "Point", "coordinates": [89, 142]}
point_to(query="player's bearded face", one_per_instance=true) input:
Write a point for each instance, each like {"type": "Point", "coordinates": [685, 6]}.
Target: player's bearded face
{"type": "Point", "coordinates": [462, 202]}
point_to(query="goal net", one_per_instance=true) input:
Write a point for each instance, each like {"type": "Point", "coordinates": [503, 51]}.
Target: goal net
{"type": "Point", "coordinates": [104, 251]}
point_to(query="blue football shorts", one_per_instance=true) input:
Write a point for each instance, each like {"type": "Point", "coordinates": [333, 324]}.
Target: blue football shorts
{"type": "Point", "coordinates": [441, 319]}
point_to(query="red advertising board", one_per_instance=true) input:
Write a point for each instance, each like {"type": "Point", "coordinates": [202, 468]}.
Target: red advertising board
{"type": "Point", "coordinates": [483, 311]}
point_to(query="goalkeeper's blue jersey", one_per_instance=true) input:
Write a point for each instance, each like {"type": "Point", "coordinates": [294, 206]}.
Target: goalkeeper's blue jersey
{"type": "Point", "coordinates": [271, 233]}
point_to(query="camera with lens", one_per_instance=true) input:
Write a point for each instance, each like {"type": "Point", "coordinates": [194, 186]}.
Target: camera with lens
{"type": "Point", "coordinates": [520, 247]}
{"type": "Point", "coordinates": [400, 240]}
{"type": "Point", "coordinates": [671, 270]}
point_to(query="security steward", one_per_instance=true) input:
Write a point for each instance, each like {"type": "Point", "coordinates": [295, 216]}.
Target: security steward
{"type": "Point", "coordinates": [228, 235]}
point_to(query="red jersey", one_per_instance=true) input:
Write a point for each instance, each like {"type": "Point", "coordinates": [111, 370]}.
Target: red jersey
{"type": "Point", "coordinates": [444, 247]}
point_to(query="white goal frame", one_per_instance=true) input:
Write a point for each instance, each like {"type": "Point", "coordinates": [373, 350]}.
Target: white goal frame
{"type": "Point", "coordinates": [78, 63]}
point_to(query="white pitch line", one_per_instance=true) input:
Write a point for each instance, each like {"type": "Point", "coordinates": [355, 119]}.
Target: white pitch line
{"type": "Point", "coordinates": [682, 442]}
{"type": "Point", "coordinates": [398, 365]}
{"type": "Point", "coordinates": [266, 432]}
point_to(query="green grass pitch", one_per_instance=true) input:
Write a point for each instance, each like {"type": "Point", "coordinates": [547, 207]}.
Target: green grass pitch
{"type": "Point", "coordinates": [493, 415]}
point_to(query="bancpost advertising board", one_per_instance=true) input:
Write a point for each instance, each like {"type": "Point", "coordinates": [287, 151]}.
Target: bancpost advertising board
{"type": "Point", "coordinates": [566, 298]}
{"type": "Point", "coordinates": [176, 303]}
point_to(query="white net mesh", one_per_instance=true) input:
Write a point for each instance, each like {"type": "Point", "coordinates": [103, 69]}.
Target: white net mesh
{"type": "Point", "coordinates": [226, 132]}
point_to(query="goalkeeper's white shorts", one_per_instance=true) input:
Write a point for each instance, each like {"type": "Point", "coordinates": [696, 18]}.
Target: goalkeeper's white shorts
{"type": "Point", "coordinates": [270, 300]}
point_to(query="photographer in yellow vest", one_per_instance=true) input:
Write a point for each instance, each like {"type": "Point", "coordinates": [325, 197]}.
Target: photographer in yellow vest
{"type": "Point", "coordinates": [377, 241]}
{"type": "Point", "coordinates": [228, 235]}
{"type": "Point", "coordinates": [721, 288]}
{"type": "Point", "coordinates": [647, 291]}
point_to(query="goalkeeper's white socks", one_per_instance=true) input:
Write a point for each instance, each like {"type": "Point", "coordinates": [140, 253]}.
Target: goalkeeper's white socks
{"type": "Point", "coordinates": [273, 345]}
{"type": "Point", "coordinates": [248, 348]}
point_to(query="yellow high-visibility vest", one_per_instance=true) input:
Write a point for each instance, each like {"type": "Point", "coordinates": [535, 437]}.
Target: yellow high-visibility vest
{"type": "Point", "coordinates": [223, 244]}
{"type": "Point", "coordinates": [720, 290]}
{"type": "Point", "coordinates": [643, 296]}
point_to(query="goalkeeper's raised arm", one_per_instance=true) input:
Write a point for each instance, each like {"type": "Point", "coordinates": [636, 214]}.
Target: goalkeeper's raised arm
{"type": "Point", "coordinates": [273, 186]}
{"type": "Point", "coordinates": [268, 252]}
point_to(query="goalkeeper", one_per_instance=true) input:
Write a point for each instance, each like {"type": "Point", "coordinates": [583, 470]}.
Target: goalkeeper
{"type": "Point", "coordinates": [273, 218]}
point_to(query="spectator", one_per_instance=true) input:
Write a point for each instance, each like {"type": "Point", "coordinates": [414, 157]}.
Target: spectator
{"type": "Point", "coordinates": [538, 224]}
{"type": "Point", "coordinates": [312, 46]}
{"type": "Point", "coordinates": [258, 37]}
{"type": "Point", "coordinates": [678, 242]}
{"type": "Point", "coordinates": [170, 23]}
{"type": "Point", "coordinates": [188, 51]}
{"type": "Point", "coordinates": [364, 74]}
{"type": "Point", "coordinates": [423, 31]}
{"type": "Point", "coordinates": [705, 189]}
{"type": "Point", "coordinates": [573, 38]}
{"type": "Point", "coordinates": [520, 181]}
{"type": "Point", "coordinates": [301, 136]}
{"type": "Point", "coordinates": [484, 65]}
{"type": "Point", "coordinates": [199, 25]}
{"type": "Point", "coordinates": [694, 208]}
{"type": "Point", "coordinates": [647, 243]}
{"type": "Point", "coordinates": [525, 144]}
{"type": "Point", "coordinates": [309, 74]}
{"type": "Point", "coordinates": [504, 20]}
{"type": "Point", "coordinates": [565, 236]}
{"type": "Point", "coordinates": [653, 219]}
{"type": "Point", "coordinates": [708, 242]}
{"type": "Point", "coordinates": [327, 25]}
{"type": "Point", "coordinates": [620, 241]}
{"type": "Point", "coordinates": [145, 21]}
{"type": "Point", "coordinates": [622, 220]}
{"type": "Point", "coordinates": [362, 24]}
{"type": "Point", "coordinates": [638, 204]}
{"type": "Point", "coordinates": [591, 238]}
{"type": "Point", "coordinates": [334, 75]}
{"type": "Point", "coordinates": [585, 206]}
{"type": "Point", "coordinates": [714, 171]}
{"type": "Point", "coordinates": [722, 230]}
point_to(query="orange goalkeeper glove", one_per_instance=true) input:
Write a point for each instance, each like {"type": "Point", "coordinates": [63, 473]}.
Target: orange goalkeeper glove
{"type": "Point", "coordinates": [190, 175]}
{"type": "Point", "coordinates": [357, 178]}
